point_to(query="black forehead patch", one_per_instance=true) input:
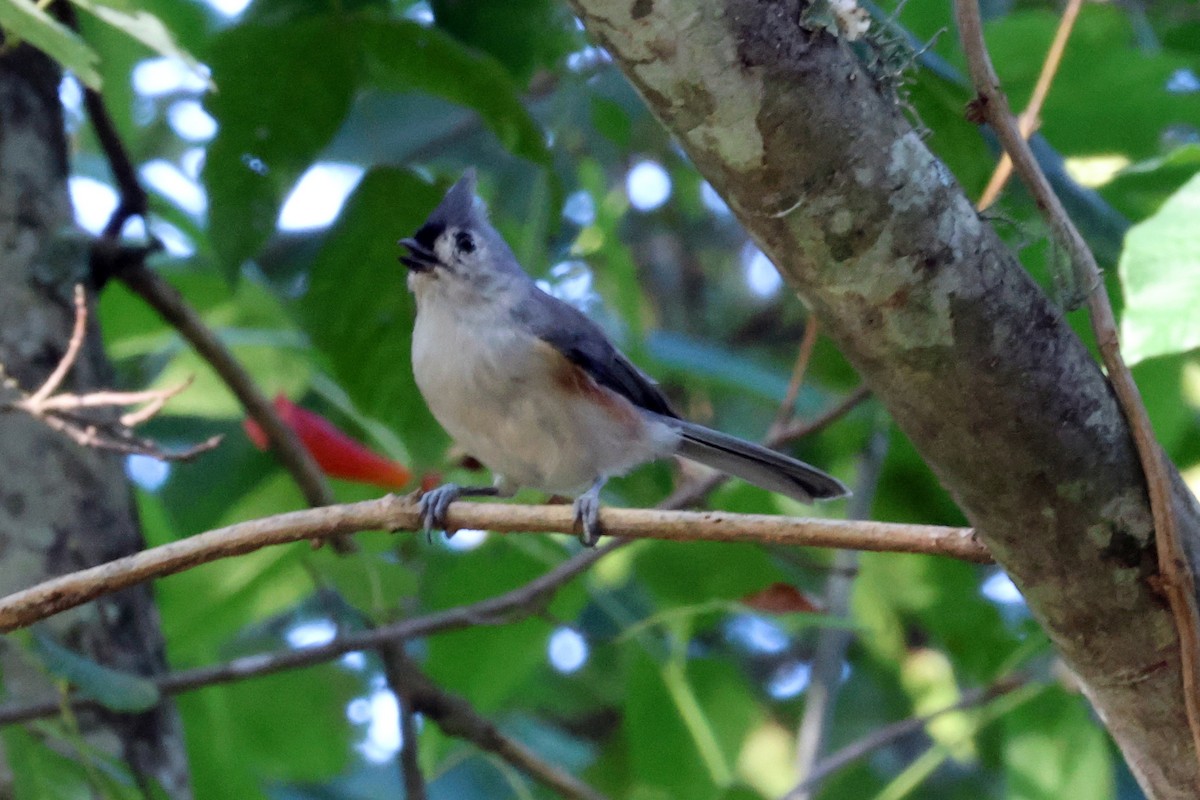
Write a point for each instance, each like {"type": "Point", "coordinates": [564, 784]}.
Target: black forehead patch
{"type": "Point", "coordinates": [429, 233]}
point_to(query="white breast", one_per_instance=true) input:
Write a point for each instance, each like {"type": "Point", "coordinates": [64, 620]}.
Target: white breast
{"type": "Point", "coordinates": [493, 387]}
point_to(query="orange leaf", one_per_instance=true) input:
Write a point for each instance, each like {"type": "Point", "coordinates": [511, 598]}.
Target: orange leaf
{"type": "Point", "coordinates": [780, 598]}
{"type": "Point", "coordinates": [338, 455]}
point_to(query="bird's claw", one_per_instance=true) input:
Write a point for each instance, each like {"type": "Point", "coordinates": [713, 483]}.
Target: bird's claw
{"type": "Point", "coordinates": [434, 504]}
{"type": "Point", "coordinates": [587, 517]}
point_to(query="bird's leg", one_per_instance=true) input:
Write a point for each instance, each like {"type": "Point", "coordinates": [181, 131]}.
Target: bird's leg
{"type": "Point", "coordinates": [587, 514]}
{"type": "Point", "coordinates": [434, 503]}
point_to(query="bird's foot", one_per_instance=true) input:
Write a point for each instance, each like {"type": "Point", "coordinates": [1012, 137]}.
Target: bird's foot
{"type": "Point", "coordinates": [434, 504]}
{"type": "Point", "coordinates": [587, 515]}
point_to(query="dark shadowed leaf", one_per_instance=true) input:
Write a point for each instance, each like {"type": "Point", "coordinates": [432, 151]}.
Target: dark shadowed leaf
{"type": "Point", "coordinates": [111, 688]}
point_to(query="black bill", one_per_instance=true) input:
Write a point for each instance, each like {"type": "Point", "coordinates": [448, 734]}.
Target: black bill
{"type": "Point", "coordinates": [420, 258]}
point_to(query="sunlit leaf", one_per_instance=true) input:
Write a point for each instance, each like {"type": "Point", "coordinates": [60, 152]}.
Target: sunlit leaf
{"type": "Point", "coordinates": [139, 24]}
{"type": "Point", "coordinates": [29, 21]}
{"type": "Point", "coordinates": [1161, 281]}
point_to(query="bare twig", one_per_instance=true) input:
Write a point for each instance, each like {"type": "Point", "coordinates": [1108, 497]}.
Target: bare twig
{"type": "Point", "coordinates": [395, 513]}
{"type": "Point", "coordinates": [1029, 119]}
{"type": "Point", "coordinates": [1178, 581]}
{"type": "Point", "coordinates": [787, 409]}
{"type": "Point", "coordinates": [798, 429]}
{"type": "Point", "coordinates": [61, 411]}
{"type": "Point", "coordinates": [70, 356]}
{"type": "Point", "coordinates": [881, 737]}
{"type": "Point", "coordinates": [832, 642]}
{"type": "Point", "coordinates": [456, 717]}
{"type": "Point", "coordinates": [396, 666]}
{"type": "Point", "coordinates": [112, 437]}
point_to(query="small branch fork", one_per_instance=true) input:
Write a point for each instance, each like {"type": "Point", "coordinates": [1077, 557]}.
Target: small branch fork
{"type": "Point", "coordinates": [1178, 582]}
{"type": "Point", "coordinates": [1030, 118]}
{"type": "Point", "coordinates": [73, 414]}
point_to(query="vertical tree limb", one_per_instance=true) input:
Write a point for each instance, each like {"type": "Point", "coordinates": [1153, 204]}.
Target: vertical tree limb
{"type": "Point", "coordinates": [1178, 580]}
{"type": "Point", "coordinates": [982, 372]}
{"type": "Point", "coordinates": [64, 507]}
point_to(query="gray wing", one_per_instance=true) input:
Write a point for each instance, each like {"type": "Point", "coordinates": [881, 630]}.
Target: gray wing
{"type": "Point", "coordinates": [568, 330]}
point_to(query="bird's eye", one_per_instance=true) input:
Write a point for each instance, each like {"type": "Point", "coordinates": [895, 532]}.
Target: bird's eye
{"type": "Point", "coordinates": [465, 242]}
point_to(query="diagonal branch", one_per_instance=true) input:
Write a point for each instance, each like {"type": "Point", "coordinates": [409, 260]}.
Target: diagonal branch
{"type": "Point", "coordinates": [128, 265]}
{"type": "Point", "coordinates": [456, 717]}
{"type": "Point", "coordinates": [1029, 118]}
{"type": "Point", "coordinates": [881, 737]}
{"type": "Point", "coordinates": [172, 307]}
{"type": "Point", "coordinates": [1178, 582]}
{"type": "Point", "coordinates": [508, 607]}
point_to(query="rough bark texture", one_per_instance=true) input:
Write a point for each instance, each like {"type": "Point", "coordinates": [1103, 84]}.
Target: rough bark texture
{"type": "Point", "coordinates": [976, 365]}
{"type": "Point", "coordinates": [64, 507]}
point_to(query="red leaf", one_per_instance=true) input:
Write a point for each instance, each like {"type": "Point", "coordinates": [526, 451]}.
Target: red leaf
{"type": "Point", "coordinates": [780, 598]}
{"type": "Point", "coordinates": [338, 455]}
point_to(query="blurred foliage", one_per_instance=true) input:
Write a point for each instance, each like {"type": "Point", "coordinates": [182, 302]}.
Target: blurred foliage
{"type": "Point", "coordinates": [703, 699]}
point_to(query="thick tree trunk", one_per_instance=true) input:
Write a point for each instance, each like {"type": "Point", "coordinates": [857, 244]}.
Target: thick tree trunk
{"type": "Point", "coordinates": [976, 365]}
{"type": "Point", "coordinates": [62, 506]}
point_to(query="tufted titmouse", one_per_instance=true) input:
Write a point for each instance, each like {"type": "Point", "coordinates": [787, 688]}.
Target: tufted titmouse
{"type": "Point", "coordinates": [533, 389]}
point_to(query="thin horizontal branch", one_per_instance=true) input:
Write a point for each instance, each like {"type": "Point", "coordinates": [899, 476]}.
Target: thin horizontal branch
{"type": "Point", "coordinates": [508, 607]}
{"type": "Point", "coordinates": [396, 513]}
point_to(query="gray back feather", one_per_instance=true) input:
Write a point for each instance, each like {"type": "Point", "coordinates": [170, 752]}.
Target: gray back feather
{"type": "Point", "coordinates": [569, 331]}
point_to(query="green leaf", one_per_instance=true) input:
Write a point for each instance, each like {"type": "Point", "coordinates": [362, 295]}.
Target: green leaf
{"type": "Point", "coordinates": [26, 20]}
{"type": "Point", "coordinates": [610, 119]}
{"type": "Point", "coordinates": [522, 34]}
{"type": "Point", "coordinates": [1053, 749]}
{"type": "Point", "coordinates": [262, 146]}
{"type": "Point", "coordinates": [402, 56]}
{"type": "Point", "coordinates": [362, 322]}
{"type": "Point", "coordinates": [1140, 189]}
{"type": "Point", "coordinates": [678, 573]}
{"type": "Point", "coordinates": [1160, 279]}
{"type": "Point", "coordinates": [491, 666]}
{"type": "Point", "coordinates": [684, 722]}
{"type": "Point", "coordinates": [38, 771]}
{"type": "Point", "coordinates": [111, 688]}
{"type": "Point", "coordinates": [203, 607]}
{"type": "Point", "coordinates": [1098, 66]}
{"type": "Point", "coordinates": [290, 726]}
{"type": "Point", "coordinates": [140, 25]}
{"type": "Point", "coordinates": [261, 150]}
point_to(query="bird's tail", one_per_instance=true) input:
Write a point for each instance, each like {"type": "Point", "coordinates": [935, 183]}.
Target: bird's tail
{"type": "Point", "coordinates": [765, 468]}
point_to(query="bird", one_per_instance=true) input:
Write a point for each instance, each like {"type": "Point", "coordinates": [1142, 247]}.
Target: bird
{"type": "Point", "coordinates": [534, 389]}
